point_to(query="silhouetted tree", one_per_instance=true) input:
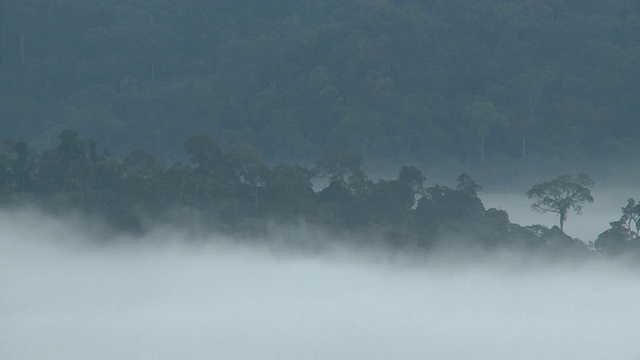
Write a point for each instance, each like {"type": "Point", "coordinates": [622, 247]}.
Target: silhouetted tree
{"type": "Point", "coordinates": [561, 195]}
{"type": "Point", "coordinates": [623, 232]}
{"type": "Point", "coordinates": [630, 220]}
{"type": "Point", "coordinates": [467, 185]}
{"type": "Point", "coordinates": [338, 167]}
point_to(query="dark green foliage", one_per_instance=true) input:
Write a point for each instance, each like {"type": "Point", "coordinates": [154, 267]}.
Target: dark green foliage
{"type": "Point", "coordinates": [412, 176]}
{"type": "Point", "coordinates": [335, 192]}
{"type": "Point", "coordinates": [67, 166]}
{"type": "Point", "coordinates": [140, 164]}
{"type": "Point", "coordinates": [230, 188]}
{"type": "Point", "coordinates": [204, 152]}
{"type": "Point", "coordinates": [624, 233]}
{"type": "Point", "coordinates": [473, 83]}
{"type": "Point", "coordinates": [289, 192]}
{"type": "Point", "coordinates": [612, 240]}
{"type": "Point", "coordinates": [467, 185]}
{"type": "Point", "coordinates": [338, 167]}
{"type": "Point", "coordinates": [629, 223]}
{"type": "Point", "coordinates": [17, 167]}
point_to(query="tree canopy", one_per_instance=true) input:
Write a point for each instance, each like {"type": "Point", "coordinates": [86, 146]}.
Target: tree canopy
{"type": "Point", "coordinates": [230, 189]}
{"type": "Point", "coordinates": [561, 195]}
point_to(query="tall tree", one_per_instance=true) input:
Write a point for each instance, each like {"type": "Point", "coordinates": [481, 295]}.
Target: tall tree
{"type": "Point", "coordinates": [561, 195]}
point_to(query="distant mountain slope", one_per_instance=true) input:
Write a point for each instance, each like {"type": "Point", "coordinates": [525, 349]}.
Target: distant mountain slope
{"type": "Point", "coordinates": [466, 82]}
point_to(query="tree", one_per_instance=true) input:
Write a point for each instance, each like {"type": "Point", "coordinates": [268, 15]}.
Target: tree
{"type": "Point", "coordinates": [467, 185]}
{"type": "Point", "coordinates": [412, 177]}
{"type": "Point", "coordinates": [66, 167]}
{"type": "Point", "coordinates": [624, 231]}
{"type": "Point", "coordinates": [139, 164]}
{"type": "Point", "coordinates": [251, 173]}
{"type": "Point", "coordinates": [337, 167]}
{"type": "Point", "coordinates": [289, 188]}
{"type": "Point", "coordinates": [629, 223]}
{"type": "Point", "coordinates": [17, 166]}
{"type": "Point", "coordinates": [561, 195]}
{"type": "Point", "coordinates": [204, 151]}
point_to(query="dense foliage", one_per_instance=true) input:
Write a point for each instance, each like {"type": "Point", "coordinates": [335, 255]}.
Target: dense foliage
{"type": "Point", "coordinates": [231, 190]}
{"type": "Point", "coordinates": [467, 84]}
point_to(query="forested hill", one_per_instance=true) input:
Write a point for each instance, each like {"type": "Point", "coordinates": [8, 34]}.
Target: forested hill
{"type": "Point", "coordinates": [468, 83]}
{"type": "Point", "coordinates": [231, 191]}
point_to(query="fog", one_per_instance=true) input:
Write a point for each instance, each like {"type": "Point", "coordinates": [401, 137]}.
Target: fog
{"type": "Point", "coordinates": [68, 292]}
{"type": "Point", "coordinates": [595, 217]}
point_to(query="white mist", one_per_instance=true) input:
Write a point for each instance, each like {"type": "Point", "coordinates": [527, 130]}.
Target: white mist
{"type": "Point", "coordinates": [64, 300]}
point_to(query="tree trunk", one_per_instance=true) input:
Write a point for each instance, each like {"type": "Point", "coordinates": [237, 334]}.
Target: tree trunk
{"type": "Point", "coordinates": [524, 146]}
{"type": "Point", "coordinates": [563, 217]}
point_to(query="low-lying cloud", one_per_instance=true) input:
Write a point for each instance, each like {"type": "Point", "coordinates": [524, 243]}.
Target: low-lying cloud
{"type": "Point", "coordinates": [168, 297]}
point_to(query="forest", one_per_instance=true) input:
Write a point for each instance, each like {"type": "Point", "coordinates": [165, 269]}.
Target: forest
{"type": "Point", "coordinates": [499, 89]}
{"type": "Point", "coordinates": [230, 190]}
{"type": "Point", "coordinates": [319, 179]}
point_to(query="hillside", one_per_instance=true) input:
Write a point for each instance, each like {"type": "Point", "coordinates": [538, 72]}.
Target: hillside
{"type": "Point", "coordinates": [455, 84]}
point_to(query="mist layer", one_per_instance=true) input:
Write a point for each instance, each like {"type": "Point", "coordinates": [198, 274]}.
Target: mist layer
{"type": "Point", "coordinates": [164, 297]}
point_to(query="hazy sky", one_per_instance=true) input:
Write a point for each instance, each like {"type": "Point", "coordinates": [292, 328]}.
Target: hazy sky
{"type": "Point", "coordinates": [163, 299]}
